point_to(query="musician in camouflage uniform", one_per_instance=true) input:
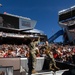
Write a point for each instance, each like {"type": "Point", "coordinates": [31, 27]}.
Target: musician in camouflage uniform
{"type": "Point", "coordinates": [49, 55]}
{"type": "Point", "coordinates": [32, 57]}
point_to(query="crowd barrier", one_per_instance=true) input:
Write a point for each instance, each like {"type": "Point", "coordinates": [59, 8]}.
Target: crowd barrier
{"type": "Point", "coordinates": [15, 62]}
{"type": "Point", "coordinates": [39, 64]}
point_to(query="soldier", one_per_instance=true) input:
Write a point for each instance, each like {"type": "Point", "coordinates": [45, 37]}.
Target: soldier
{"type": "Point", "coordinates": [32, 57]}
{"type": "Point", "coordinates": [49, 55]}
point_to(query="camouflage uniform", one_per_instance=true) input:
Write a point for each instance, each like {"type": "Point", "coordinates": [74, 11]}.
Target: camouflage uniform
{"type": "Point", "coordinates": [33, 55]}
{"type": "Point", "coordinates": [49, 56]}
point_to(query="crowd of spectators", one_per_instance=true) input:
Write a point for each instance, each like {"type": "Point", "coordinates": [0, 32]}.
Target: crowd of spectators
{"type": "Point", "coordinates": [61, 53]}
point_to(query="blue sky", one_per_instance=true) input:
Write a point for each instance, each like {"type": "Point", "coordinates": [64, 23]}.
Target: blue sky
{"type": "Point", "coordinates": [45, 12]}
